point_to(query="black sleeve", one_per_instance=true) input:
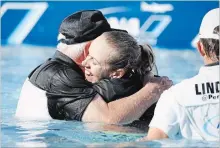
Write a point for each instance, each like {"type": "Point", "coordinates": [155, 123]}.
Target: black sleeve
{"type": "Point", "coordinates": [106, 89]}
{"type": "Point", "coordinates": [113, 89]}
{"type": "Point", "coordinates": [69, 95]}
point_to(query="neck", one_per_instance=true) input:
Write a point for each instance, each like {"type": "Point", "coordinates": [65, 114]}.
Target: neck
{"type": "Point", "coordinates": [209, 61]}
{"type": "Point", "coordinates": [64, 51]}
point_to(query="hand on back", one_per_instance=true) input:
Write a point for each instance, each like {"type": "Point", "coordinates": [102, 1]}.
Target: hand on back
{"type": "Point", "coordinates": [158, 85]}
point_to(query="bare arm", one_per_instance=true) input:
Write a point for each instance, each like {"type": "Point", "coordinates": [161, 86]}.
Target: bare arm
{"type": "Point", "coordinates": [127, 109]}
{"type": "Point", "coordinates": [155, 133]}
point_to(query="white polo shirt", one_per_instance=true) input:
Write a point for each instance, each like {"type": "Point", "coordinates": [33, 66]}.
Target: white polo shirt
{"type": "Point", "coordinates": [32, 103]}
{"type": "Point", "coordinates": [190, 109]}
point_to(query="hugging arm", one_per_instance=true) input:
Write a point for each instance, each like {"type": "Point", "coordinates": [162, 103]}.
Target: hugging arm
{"type": "Point", "coordinates": [127, 109]}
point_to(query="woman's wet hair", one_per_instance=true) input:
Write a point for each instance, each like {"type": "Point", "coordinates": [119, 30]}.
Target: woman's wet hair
{"type": "Point", "coordinates": [128, 54]}
{"type": "Point", "coordinates": [211, 46]}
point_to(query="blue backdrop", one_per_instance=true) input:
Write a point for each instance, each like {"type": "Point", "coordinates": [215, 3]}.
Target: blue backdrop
{"type": "Point", "coordinates": [163, 24]}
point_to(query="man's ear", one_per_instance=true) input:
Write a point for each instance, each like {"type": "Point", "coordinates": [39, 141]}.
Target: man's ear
{"type": "Point", "coordinates": [117, 73]}
{"type": "Point", "coordinates": [200, 48]}
{"type": "Point", "coordinates": [86, 51]}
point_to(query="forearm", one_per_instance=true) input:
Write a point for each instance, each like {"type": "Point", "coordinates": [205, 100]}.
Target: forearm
{"type": "Point", "coordinates": [124, 110]}
{"type": "Point", "coordinates": [131, 108]}
{"type": "Point", "coordinates": [154, 134]}
{"type": "Point", "coordinates": [128, 109]}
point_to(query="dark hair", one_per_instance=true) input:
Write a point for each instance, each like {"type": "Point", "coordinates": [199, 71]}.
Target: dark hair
{"type": "Point", "coordinates": [128, 54]}
{"type": "Point", "coordinates": [211, 46]}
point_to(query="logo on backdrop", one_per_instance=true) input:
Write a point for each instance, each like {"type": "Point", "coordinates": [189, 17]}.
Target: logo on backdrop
{"type": "Point", "coordinates": [143, 32]}
{"type": "Point", "coordinates": [132, 25]}
{"type": "Point", "coordinates": [148, 31]}
{"type": "Point", "coordinates": [22, 30]}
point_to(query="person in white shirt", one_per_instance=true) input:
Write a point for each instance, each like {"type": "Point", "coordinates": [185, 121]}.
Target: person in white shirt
{"type": "Point", "coordinates": [190, 109]}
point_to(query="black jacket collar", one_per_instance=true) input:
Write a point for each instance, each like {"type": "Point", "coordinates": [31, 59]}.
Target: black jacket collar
{"type": "Point", "coordinates": [59, 55]}
{"type": "Point", "coordinates": [64, 58]}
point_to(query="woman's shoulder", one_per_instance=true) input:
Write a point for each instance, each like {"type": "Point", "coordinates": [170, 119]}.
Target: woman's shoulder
{"type": "Point", "coordinates": [116, 88]}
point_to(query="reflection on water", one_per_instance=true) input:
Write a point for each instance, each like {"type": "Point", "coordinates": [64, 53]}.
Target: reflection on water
{"type": "Point", "coordinates": [108, 128]}
{"type": "Point", "coordinates": [65, 133]}
{"type": "Point", "coordinates": [158, 143]}
{"type": "Point", "coordinates": [16, 64]}
{"type": "Point", "coordinates": [30, 133]}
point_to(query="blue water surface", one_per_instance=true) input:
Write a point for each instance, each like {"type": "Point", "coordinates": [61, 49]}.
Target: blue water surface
{"type": "Point", "coordinates": [18, 61]}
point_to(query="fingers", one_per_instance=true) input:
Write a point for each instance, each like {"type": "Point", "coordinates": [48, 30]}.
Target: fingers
{"type": "Point", "coordinates": [156, 86]}
{"type": "Point", "coordinates": [165, 81]}
{"type": "Point", "coordinates": [160, 84]}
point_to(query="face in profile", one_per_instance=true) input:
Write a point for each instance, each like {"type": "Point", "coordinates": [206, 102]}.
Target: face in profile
{"type": "Point", "coordinates": [96, 65]}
